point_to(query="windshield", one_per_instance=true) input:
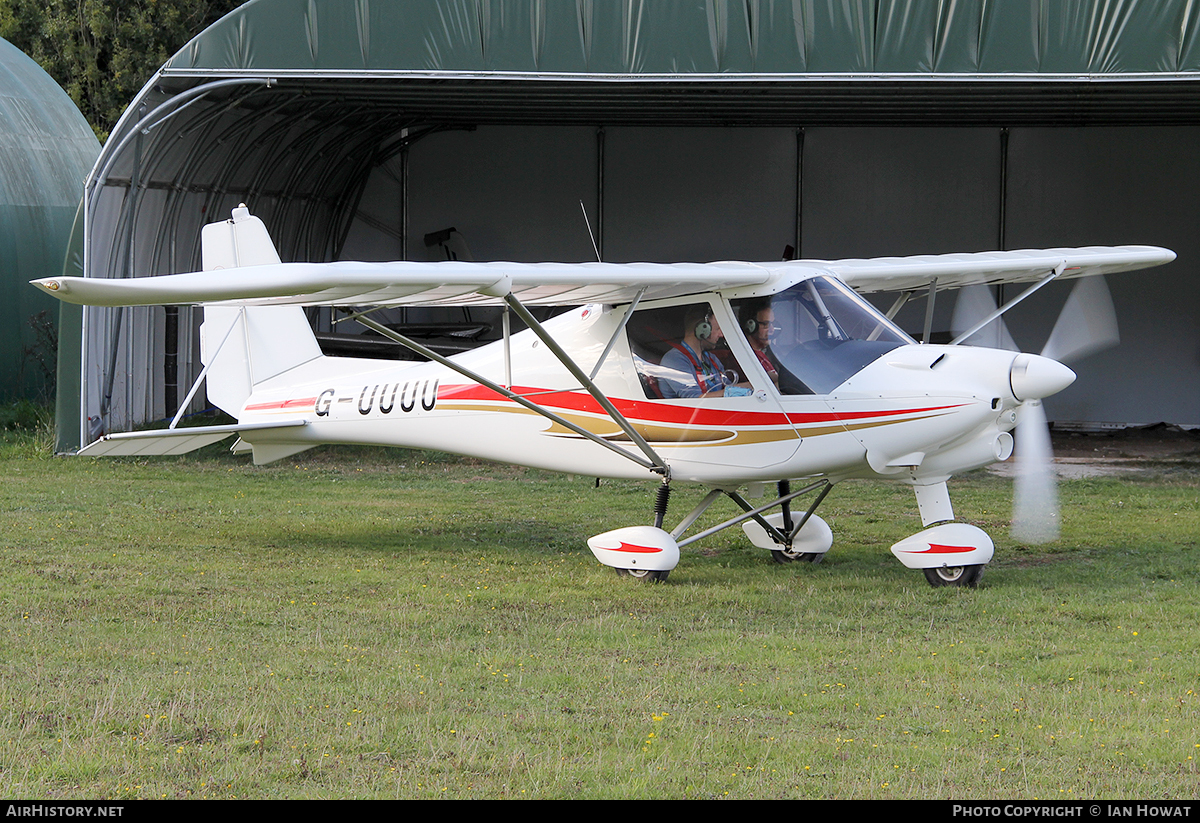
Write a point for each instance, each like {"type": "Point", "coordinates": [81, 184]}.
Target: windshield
{"type": "Point", "coordinates": [816, 335]}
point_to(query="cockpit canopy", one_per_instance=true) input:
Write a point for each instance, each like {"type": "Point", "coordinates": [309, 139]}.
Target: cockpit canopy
{"type": "Point", "coordinates": [818, 333]}
{"type": "Point", "coordinates": [809, 339]}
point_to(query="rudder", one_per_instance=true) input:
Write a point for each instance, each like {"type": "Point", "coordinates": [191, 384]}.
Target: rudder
{"type": "Point", "coordinates": [243, 346]}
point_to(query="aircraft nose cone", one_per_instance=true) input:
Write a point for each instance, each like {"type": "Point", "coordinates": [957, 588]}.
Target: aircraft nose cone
{"type": "Point", "coordinates": [1033, 376]}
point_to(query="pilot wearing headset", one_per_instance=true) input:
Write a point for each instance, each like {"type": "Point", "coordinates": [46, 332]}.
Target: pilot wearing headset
{"type": "Point", "coordinates": [758, 322]}
{"type": "Point", "coordinates": [694, 371]}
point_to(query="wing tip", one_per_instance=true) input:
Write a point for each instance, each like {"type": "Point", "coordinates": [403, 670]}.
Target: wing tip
{"type": "Point", "coordinates": [51, 285]}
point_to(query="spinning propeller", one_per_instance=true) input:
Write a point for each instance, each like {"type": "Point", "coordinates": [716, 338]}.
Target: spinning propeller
{"type": "Point", "coordinates": [1086, 324]}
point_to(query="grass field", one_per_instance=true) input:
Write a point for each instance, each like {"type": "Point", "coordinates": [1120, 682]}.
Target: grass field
{"type": "Point", "coordinates": [387, 624]}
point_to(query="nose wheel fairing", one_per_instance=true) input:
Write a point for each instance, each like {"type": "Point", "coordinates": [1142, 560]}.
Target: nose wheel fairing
{"type": "Point", "coordinates": [950, 546]}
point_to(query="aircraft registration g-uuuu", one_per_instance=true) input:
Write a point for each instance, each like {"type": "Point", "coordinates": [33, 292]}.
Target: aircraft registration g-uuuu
{"type": "Point", "coordinates": [736, 376]}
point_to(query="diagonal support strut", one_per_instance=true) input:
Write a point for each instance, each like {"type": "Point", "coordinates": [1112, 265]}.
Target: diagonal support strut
{"type": "Point", "coordinates": [657, 467]}
{"type": "Point", "coordinates": [660, 465]}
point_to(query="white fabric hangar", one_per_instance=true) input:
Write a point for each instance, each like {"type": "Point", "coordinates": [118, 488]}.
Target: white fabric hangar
{"type": "Point", "coordinates": [690, 131]}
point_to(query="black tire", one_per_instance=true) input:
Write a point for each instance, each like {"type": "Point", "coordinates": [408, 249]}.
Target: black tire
{"type": "Point", "coordinates": [967, 576]}
{"type": "Point", "coordinates": [781, 556]}
{"type": "Point", "coordinates": [644, 574]}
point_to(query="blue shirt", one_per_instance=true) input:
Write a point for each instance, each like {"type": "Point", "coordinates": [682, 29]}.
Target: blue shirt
{"type": "Point", "coordinates": [691, 376]}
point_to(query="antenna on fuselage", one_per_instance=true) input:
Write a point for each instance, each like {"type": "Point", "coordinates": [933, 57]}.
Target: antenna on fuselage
{"type": "Point", "coordinates": [595, 248]}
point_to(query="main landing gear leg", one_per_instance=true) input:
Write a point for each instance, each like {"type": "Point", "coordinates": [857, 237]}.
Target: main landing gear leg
{"type": "Point", "coordinates": [661, 499]}
{"type": "Point", "coordinates": [649, 552]}
{"type": "Point", "coordinates": [660, 503]}
{"type": "Point", "coordinates": [788, 554]}
{"type": "Point", "coordinates": [641, 552]}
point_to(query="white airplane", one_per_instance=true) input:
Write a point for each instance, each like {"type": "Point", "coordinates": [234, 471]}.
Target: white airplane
{"type": "Point", "coordinates": [730, 375]}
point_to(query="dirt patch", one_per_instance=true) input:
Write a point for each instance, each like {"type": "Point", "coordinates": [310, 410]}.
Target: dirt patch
{"type": "Point", "coordinates": [1158, 442]}
{"type": "Point", "coordinates": [1124, 451]}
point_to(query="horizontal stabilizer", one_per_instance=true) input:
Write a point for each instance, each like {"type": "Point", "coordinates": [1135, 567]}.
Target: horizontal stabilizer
{"type": "Point", "coordinates": [173, 441]}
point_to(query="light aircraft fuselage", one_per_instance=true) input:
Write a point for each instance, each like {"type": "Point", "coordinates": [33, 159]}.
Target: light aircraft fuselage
{"type": "Point", "coordinates": [932, 410]}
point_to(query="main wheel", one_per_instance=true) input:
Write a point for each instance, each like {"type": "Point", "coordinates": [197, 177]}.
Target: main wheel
{"type": "Point", "coordinates": [784, 556]}
{"type": "Point", "coordinates": [954, 576]}
{"type": "Point", "coordinates": [644, 574]}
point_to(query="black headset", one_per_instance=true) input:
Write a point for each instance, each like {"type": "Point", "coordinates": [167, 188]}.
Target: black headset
{"type": "Point", "coordinates": [750, 311]}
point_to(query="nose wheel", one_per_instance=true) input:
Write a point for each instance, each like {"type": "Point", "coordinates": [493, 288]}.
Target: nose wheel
{"type": "Point", "coordinates": [967, 576]}
{"type": "Point", "coordinates": [949, 554]}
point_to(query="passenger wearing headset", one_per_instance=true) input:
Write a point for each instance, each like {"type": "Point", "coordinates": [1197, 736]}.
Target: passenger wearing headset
{"type": "Point", "coordinates": [694, 371]}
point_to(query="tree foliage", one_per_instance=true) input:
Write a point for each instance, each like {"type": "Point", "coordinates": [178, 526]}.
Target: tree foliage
{"type": "Point", "coordinates": [103, 51]}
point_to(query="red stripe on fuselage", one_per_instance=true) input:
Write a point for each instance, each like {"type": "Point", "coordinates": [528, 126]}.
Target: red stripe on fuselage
{"type": "Point", "coordinates": [285, 404]}
{"type": "Point", "coordinates": [665, 413]}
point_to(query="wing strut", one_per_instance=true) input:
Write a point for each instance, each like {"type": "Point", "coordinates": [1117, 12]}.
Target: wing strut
{"type": "Point", "coordinates": [929, 303]}
{"type": "Point", "coordinates": [659, 465]}
{"type": "Point", "coordinates": [1059, 269]}
{"type": "Point", "coordinates": [899, 304]}
{"type": "Point", "coordinates": [612, 341]}
{"type": "Point", "coordinates": [655, 464]}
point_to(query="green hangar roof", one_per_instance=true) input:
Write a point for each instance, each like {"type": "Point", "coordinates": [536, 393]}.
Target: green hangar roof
{"type": "Point", "coordinates": [701, 36]}
{"type": "Point", "coordinates": [716, 61]}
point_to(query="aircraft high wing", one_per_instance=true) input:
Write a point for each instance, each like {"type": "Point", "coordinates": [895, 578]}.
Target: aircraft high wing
{"type": "Point", "coordinates": [458, 283]}
{"type": "Point", "coordinates": [730, 375]}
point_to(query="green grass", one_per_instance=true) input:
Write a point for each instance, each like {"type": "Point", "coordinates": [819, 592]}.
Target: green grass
{"type": "Point", "coordinates": [358, 623]}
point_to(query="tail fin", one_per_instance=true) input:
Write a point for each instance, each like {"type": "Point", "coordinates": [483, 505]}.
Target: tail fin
{"type": "Point", "coordinates": [243, 346]}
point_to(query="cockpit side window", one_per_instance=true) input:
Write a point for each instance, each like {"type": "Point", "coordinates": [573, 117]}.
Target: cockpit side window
{"type": "Point", "coordinates": [680, 352]}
